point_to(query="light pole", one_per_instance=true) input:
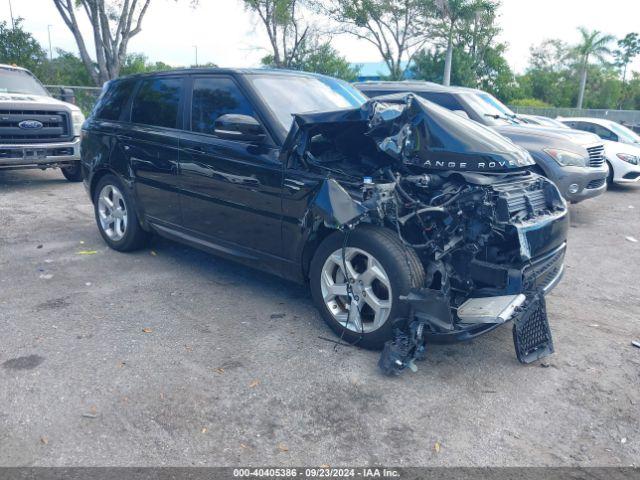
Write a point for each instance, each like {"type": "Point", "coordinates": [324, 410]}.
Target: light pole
{"type": "Point", "coordinates": [13, 23]}
{"type": "Point", "coordinates": [196, 47]}
{"type": "Point", "coordinates": [50, 50]}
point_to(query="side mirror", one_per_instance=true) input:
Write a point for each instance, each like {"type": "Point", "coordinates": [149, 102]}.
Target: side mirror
{"type": "Point", "coordinates": [68, 95]}
{"type": "Point", "coordinates": [461, 113]}
{"type": "Point", "coordinates": [233, 126]}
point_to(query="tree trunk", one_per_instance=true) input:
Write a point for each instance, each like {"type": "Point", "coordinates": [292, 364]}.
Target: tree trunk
{"type": "Point", "coordinates": [583, 83]}
{"type": "Point", "coordinates": [448, 60]}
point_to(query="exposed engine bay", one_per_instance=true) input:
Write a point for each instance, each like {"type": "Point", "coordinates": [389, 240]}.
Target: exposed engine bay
{"type": "Point", "coordinates": [490, 233]}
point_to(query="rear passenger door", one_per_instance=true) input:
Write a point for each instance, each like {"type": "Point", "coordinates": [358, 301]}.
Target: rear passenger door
{"type": "Point", "coordinates": [231, 188]}
{"type": "Point", "coordinates": [151, 144]}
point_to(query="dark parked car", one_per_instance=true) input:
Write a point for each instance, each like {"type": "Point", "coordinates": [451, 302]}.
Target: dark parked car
{"type": "Point", "coordinates": [408, 221]}
{"type": "Point", "coordinates": [573, 160]}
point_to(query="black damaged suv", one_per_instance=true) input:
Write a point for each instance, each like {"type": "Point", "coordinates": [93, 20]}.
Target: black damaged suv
{"type": "Point", "coordinates": [408, 221]}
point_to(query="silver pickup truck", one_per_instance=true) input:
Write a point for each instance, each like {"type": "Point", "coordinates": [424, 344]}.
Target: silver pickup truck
{"type": "Point", "coordinates": [36, 130]}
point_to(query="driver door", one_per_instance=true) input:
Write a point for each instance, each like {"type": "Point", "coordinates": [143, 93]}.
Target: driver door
{"type": "Point", "coordinates": [230, 188]}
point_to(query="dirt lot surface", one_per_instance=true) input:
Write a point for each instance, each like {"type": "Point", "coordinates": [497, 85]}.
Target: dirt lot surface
{"type": "Point", "coordinates": [170, 356]}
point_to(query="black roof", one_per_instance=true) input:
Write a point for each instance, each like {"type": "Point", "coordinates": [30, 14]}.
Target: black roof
{"type": "Point", "coordinates": [410, 86]}
{"type": "Point", "coordinates": [228, 71]}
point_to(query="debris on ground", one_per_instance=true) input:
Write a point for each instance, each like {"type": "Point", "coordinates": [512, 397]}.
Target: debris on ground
{"type": "Point", "coordinates": [254, 383]}
{"type": "Point", "coordinates": [631, 239]}
{"type": "Point", "coordinates": [147, 330]}
{"type": "Point", "coordinates": [636, 343]}
{"type": "Point", "coordinates": [277, 315]}
{"type": "Point", "coordinates": [87, 252]}
{"type": "Point", "coordinates": [204, 430]}
{"type": "Point", "coordinates": [152, 252]}
{"type": "Point", "coordinates": [46, 276]}
{"type": "Point", "coordinates": [39, 246]}
{"type": "Point", "coordinates": [219, 370]}
{"type": "Point", "coordinates": [44, 440]}
{"type": "Point", "coordinates": [436, 447]}
{"type": "Point", "coordinates": [282, 447]}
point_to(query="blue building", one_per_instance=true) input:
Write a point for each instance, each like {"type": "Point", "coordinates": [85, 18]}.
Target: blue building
{"type": "Point", "coordinates": [377, 71]}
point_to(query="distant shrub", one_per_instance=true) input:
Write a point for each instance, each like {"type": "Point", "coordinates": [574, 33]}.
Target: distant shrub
{"type": "Point", "coordinates": [530, 102]}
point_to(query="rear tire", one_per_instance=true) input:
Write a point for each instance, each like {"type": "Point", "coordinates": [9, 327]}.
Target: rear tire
{"type": "Point", "coordinates": [374, 248]}
{"type": "Point", "coordinates": [115, 213]}
{"type": "Point", "coordinates": [72, 173]}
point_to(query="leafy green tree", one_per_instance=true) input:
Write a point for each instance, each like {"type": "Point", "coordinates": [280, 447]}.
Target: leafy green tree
{"type": "Point", "coordinates": [397, 28]}
{"type": "Point", "coordinates": [66, 69]}
{"type": "Point", "coordinates": [454, 17]}
{"type": "Point", "coordinates": [285, 26]}
{"type": "Point", "coordinates": [319, 57]}
{"type": "Point", "coordinates": [628, 49]}
{"type": "Point", "coordinates": [139, 63]}
{"type": "Point", "coordinates": [593, 44]}
{"type": "Point", "coordinates": [20, 48]}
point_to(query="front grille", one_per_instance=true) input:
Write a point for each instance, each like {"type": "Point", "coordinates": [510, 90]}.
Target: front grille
{"type": "Point", "coordinates": [543, 271]}
{"type": "Point", "coordinates": [596, 183]}
{"type": "Point", "coordinates": [525, 198]}
{"type": "Point", "coordinates": [55, 126]}
{"type": "Point", "coordinates": [596, 156]}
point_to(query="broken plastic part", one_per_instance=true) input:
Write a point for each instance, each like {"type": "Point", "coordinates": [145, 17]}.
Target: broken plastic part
{"type": "Point", "coordinates": [531, 333]}
{"type": "Point", "coordinates": [430, 307]}
{"type": "Point", "coordinates": [335, 206]}
{"type": "Point", "coordinates": [405, 349]}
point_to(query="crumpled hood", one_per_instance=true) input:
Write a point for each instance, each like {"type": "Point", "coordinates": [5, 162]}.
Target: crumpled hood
{"type": "Point", "coordinates": [554, 134]}
{"type": "Point", "coordinates": [414, 131]}
{"type": "Point", "coordinates": [27, 101]}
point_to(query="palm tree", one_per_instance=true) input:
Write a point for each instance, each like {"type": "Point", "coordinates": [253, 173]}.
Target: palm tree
{"type": "Point", "coordinates": [593, 44]}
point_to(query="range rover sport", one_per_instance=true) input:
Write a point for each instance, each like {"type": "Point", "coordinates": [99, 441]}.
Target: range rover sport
{"type": "Point", "coordinates": [408, 222]}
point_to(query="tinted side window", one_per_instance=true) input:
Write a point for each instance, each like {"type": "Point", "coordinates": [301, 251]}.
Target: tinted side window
{"type": "Point", "coordinates": [443, 99]}
{"type": "Point", "coordinates": [213, 97]}
{"type": "Point", "coordinates": [157, 102]}
{"type": "Point", "coordinates": [114, 99]}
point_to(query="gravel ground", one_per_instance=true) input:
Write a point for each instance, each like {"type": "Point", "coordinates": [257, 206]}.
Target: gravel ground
{"type": "Point", "coordinates": [170, 356]}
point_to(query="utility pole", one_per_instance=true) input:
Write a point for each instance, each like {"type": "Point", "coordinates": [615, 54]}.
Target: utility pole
{"type": "Point", "coordinates": [50, 50]}
{"type": "Point", "coordinates": [196, 47]}
{"type": "Point", "coordinates": [13, 23]}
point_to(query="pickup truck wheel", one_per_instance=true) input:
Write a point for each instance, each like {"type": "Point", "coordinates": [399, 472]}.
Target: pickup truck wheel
{"type": "Point", "coordinates": [116, 216]}
{"type": "Point", "coordinates": [73, 173]}
{"type": "Point", "coordinates": [360, 307]}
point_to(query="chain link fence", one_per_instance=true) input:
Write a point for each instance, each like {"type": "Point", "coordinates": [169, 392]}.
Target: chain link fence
{"type": "Point", "coordinates": [626, 117]}
{"type": "Point", "coordinates": [83, 97]}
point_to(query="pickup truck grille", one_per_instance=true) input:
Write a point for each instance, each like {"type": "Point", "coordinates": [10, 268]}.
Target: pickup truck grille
{"type": "Point", "coordinates": [596, 156]}
{"type": "Point", "coordinates": [55, 126]}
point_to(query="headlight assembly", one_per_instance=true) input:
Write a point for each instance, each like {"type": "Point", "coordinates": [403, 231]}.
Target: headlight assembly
{"type": "Point", "coordinates": [566, 158]}
{"type": "Point", "coordinates": [77, 118]}
{"type": "Point", "coordinates": [625, 157]}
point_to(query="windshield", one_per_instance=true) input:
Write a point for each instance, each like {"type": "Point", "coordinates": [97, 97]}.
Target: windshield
{"type": "Point", "coordinates": [491, 109]}
{"type": "Point", "coordinates": [550, 122]}
{"type": "Point", "coordinates": [624, 133]}
{"type": "Point", "coordinates": [286, 95]}
{"type": "Point", "coordinates": [20, 81]}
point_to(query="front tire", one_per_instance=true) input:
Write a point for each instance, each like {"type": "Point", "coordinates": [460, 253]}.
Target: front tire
{"type": "Point", "coordinates": [116, 216]}
{"type": "Point", "coordinates": [610, 175]}
{"type": "Point", "coordinates": [72, 173]}
{"type": "Point", "coordinates": [380, 269]}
